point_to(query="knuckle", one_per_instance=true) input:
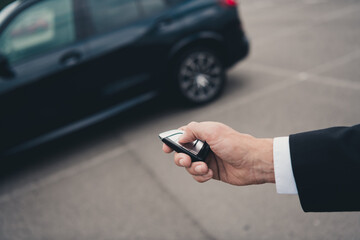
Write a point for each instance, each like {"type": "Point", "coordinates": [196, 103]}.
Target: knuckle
{"type": "Point", "coordinates": [218, 127]}
{"type": "Point", "coordinates": [217, 130]}
{"type": "Point", "coordinates": [192, 124]}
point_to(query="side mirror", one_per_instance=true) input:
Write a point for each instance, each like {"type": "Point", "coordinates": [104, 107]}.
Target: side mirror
{"type": "Point", "coordinates": [5, 69]}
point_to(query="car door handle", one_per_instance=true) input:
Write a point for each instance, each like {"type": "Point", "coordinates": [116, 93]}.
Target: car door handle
{"type": "Point", "coordinates": [70, 58]}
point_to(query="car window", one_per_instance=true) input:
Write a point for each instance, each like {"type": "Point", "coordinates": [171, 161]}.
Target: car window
{"type": "Point", "coordinates": [6, 8]}
{"type": "Point", "coordinates": [151, 7]}
{"type": "Point", "coordinates": [109, 15]}
{"type": "Point", "coordinates": [40, 28]}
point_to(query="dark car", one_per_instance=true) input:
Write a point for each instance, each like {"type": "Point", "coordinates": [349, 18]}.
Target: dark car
{"type": "Point", "coordinates": [67, 64]}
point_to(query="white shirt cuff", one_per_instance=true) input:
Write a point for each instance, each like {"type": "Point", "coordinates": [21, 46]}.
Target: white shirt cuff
{"type": "Point", "coordinates": [284, 177]}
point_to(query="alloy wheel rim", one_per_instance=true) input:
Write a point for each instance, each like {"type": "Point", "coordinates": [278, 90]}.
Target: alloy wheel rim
{"type": "Point", "coordinates": [200, 76]}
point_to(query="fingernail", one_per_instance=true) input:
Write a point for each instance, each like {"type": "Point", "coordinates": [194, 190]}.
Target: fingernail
{"type": "Point", "coordinates": [181, 161]}
{"type": "Point", "coordinates": [199, 169]}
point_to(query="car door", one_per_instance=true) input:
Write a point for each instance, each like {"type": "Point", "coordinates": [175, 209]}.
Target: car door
{"type": "Point", "coordinates": [41, 44]}
{"type": "Point", "coordinates": [119, 69]}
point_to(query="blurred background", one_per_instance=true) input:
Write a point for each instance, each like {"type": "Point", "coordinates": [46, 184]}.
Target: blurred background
{"type": "Point", "coordinates": [87, 86]}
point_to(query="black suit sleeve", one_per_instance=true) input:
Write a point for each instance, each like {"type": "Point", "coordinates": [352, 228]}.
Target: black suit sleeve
{"type": "Point", "coordinates": [326, 166]}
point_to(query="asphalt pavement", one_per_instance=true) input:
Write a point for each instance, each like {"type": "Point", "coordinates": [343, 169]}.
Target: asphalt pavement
{"type": "Point", "coordinates": [112, 181]}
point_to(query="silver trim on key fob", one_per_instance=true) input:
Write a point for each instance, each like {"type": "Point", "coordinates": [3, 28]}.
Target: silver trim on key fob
{"type": "Point", "coordinates": [193, 149]}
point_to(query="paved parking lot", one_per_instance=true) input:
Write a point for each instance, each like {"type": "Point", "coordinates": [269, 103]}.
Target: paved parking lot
{"type": "Point", "coordinates": [112, 181]}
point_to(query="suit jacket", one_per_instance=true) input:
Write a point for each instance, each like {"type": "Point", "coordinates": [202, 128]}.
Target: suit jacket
{"type": "Point", "coordinates": [326, 167]}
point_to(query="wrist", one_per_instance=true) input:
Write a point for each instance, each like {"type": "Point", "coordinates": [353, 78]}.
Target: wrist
{"type": "Point", "coordinates": [264, 161]}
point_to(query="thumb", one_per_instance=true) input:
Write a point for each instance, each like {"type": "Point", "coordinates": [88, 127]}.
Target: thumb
{"type": "Point", "coordinates": [187, 137]}
{"type": "Point", "coordinates": [194, 131]}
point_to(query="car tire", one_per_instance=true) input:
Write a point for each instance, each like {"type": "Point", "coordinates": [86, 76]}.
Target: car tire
{"type": "Point", "coordinates": [199, 76]}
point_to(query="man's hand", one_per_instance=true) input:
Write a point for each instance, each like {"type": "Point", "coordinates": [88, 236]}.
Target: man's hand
{"type": "Point", "coordinates": [236, 158]}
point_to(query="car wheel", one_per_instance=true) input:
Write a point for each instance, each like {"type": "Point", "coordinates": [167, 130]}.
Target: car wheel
{"type": "Point", "coordinates": [200, 76]}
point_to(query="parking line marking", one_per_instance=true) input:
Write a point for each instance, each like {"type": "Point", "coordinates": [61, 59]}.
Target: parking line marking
{"type": "Point", "coordinates": [311, 77]}
{"type": "Point", "coordinates": [343, 83]}
{"type": "Point", "coordinates": [293, 78]}
{"type": "Point", "coordinates": [336, 62]}
{"type": "Point", "coordinates": [255, 96]}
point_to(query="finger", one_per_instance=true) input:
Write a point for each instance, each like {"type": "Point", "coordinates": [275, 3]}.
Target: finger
{"type": "Point", "coordinates": [204, 178]}
{"type": "Point", "coordinates": [195, 130]}
{"type": "Point", "coordinates": [213, 165]}
{"type": "Point", "coordinates": [198, 168]}
{"type": "Point", "coordinates": [182, 128]}
{"type": "Point", "coordinates": [189, 134]}
{"type": "Point", "coordinates": [166, 148]}
{"type": "Point", "coordinates": [182, 160]}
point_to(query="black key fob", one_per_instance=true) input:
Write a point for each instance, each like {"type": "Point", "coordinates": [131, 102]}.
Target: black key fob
{"type": "Point", "coordinates": [197, 150]}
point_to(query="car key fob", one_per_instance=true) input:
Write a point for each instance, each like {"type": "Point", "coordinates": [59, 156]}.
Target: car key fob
{"type": "Point", "coordinates": [197, 150]}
